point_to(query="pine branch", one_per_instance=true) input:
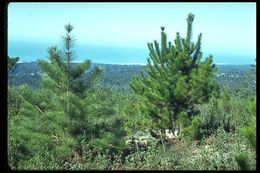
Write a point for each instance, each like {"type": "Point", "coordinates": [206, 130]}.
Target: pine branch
{"type": "Point", "coordinates": [38, 109]}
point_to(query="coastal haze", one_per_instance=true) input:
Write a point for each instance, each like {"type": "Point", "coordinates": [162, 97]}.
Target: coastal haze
{"type": "Point", "coordinates": [32, 51]}
{"type": "Point", "coordinates": [118, 33]}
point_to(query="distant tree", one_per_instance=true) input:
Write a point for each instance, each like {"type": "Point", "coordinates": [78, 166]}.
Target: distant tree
{"type": "Point", "coordinates": [249, 131]}
{"type": "Point", "coordinates": [251, 75]}
{"type": "Point", "coordinates": [177, 80]}
{"type": "Point", "coordinates": [13, 98]}
{"type": "Point", "coordinates": [12, 64]}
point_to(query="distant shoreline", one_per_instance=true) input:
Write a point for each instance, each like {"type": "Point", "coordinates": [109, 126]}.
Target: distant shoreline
{"type": "Point", "coordinates": [24, 62]}
{"type": "Point", "coordinates": [113, 54]}
{"type": "Point", "coordinates": [139, 64]}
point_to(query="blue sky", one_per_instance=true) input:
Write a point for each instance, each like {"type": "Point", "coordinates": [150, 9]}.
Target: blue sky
{"type": "Point", "coordinates": [226, 27]}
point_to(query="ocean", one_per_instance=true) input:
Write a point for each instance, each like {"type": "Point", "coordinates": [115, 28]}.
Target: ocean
{"type": "Point", "coordinates": [32, 51]}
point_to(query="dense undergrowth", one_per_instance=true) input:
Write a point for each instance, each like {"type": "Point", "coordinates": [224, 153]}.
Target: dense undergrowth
{"type": "Point", "coordinates": [224, 140]}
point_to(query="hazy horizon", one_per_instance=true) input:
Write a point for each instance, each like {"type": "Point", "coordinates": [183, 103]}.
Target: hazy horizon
{"type": "Point", "coordinates": [228, 29]}
{"type": "Point", "coordinates": [111, 54]}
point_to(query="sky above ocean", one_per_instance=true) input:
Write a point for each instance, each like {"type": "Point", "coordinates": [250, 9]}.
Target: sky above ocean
{"type": "Point", "coordinates": [119, 32]}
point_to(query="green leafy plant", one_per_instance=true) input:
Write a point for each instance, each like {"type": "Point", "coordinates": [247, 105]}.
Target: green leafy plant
{"type": "Point", "coordinates": [242, 160]}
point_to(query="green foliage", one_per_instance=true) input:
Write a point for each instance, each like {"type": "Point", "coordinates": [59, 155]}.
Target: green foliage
{"type": "Point", "coordinates": [134, 120]}
{"type": "Point", "coordinates": [215, 153]}
{"type": "Point", "coordinates": [44, 142]}
{"type": "Point", "coordinates": [242, 160]}
{"type": "Point", "coordinates": [248, 88]}
{"type": "Point", "coordinates": [71, 93]}
{"type": "Point", "coordinates": [59, 134]}
{"type": "Point", "coordinates": [12, 63]}
{"type": "Point", "coordinates": [105, 124]}
{"type": "Point", "coordinates": [52, 121]}
{"type": "Point", "coordinates": [177, 79]}
{"type": "Point", "coordinates": [249, 130]}
{"type": "Point", "coordinates": [62, 75]}
{"type": "Point", "coordinates": [250, 134]}
{"type": "Point", "coordinates": [226, 111]}
{"type": "Point", "coordinates": [14, 101]}
{"type": "Point", "coordinates": [218, 153]}
{"type": "Point", "coordinates": [16, 152]}
{"type": "Point", "coordinates": [192, 129]}
{"type": "Point", "coordinates": [73, 123]}
{"type": "Point", "coordinates": [251, 107]}
{"type": "Point", "coordinates": [118, 77]}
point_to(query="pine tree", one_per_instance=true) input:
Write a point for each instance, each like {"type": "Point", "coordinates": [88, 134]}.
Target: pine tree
{"type": "Point", "coordinates": [177, 79]}
{"type": "Point", "coordinates": [12, 64]}
{"type": "Point", "coordinates": [251, 77]}
{"type": "Point", "coordinates": [249, 129]}
{"type": "Point", "coordinates": [63, 76]}
{"type": "Point", "coordinates": [66, 81]}
{"type": "Point", "coordinates": [67, 111]}
{"type": "Point", "coordinates": [57, 110]}
{"type": "Point", "coordinates": [13, 98]}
